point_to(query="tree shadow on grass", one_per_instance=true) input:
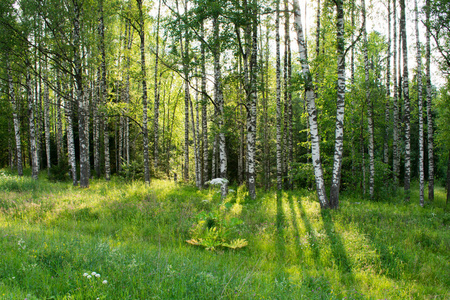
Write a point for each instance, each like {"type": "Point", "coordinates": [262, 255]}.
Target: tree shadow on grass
{"type": "Point", "coordinates": [280, 238]}
{"type": "Point", "coordinates": [297, 240]}
{"type": "Point", "coordinates": [337, 248]}
{"type": "Point", "coordinates": [312, 238]}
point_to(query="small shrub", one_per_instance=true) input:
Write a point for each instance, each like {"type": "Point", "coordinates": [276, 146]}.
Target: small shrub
{"type": "Point", "coordinates": [213, 230]}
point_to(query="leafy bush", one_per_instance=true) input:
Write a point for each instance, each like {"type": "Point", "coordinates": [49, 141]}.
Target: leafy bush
{"type": "Point", "coordinates": [212, 230]}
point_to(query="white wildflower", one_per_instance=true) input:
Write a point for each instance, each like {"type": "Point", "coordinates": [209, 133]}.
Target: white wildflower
{"type": "Point", "coordinates": [104, 282]}
{"type": "Point", "coordinates": [89, 277]}
{"type": "Point", "coordinates": [93, 273]}
{"type": "Point", "coordinates": [85, 274]}
{"type": "Point", "coordinates": [97, 275]}
{"type": "Point", "coordinates": [218, 181]}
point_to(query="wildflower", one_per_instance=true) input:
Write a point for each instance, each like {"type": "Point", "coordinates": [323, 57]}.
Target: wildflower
{"type": "Point", "coordinates": [85, 274]}
{"type": "Point", "coordinates": [89, 277]}
{"type": "Point", "coordinates": [104, 282]}
{"type": "Point", "coordinates": [93, 273]}
{"type": "Point", "coordinates": [97, 275]}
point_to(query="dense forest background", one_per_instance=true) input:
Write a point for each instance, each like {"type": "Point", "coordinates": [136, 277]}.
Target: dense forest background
{"type": "Point", "coordinates": [251, 91]}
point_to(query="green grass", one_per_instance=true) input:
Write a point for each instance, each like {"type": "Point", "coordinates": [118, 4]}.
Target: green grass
{"type": "Point", "coordinates": [135, 236]}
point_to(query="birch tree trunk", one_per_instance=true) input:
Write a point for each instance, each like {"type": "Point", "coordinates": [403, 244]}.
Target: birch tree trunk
{"type": "Point", "coordinates": [47, 121]}
{"type": "Point", "coordinates": [406, 102]}
{"type": "Point", "coordinates": [204, 110]}
{"type": "Point", "coordinates": [82, 107]}
{"type": "Point", "coordinates": [33, 148]}
{"type": "Point", "coordinates": [388, 91]}
{"type": "Point", "coordinates": [103, 93]}
{"type": "Point", "coordinates": [144, 94]}
{"type": "Point", "coordinates": [12, 97]}
{"type": "Point", "coordinates": [395, 143]}
{"type": "Point", "coordinates": [339, 132]}
{"type": "Point", "coordinates": [96, 125]}
{"type": "Point", "coordinates": [420, 107]}
{"type": "Point", "coordinates": [156, 106]}
{"type": "Point", "coordinates": [59, 134]}
{"type": "Point", "coordinates": [218, 95]}
{"type": "Point", "coordinates": [278, 97]}
{"type": "Point", "coordinates": [312, 112]}
{"type": "Point", "coordinates": [290, 145]}
{"type": "Point", "coordinates": [251, 120]}
{"type": "Point", "coordinates": [369, 107]}
{"type": "Point", "coordinates": [70, 141]}
{"type": "Point", "coordinates": [448, 180]}
{"type": "Point", "coordinates": [429, 114]}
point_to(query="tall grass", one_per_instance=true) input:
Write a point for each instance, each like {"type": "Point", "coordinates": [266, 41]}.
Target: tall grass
{"type": "Point", "coordinates": [134, 236]}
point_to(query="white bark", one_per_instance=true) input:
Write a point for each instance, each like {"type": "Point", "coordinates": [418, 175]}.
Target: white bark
{"type": "Point", "coordinates": [312, 112]}
{"type": "Point", "coordinates": [406, 102]}
{"type": "Point", "coordinates": [395, 144]}
{"type": "Point", "coordinates": [33, 148]}
{"type": "Point", "coordinates": [12, 97]}
{"type": "Point", "coordinates": [420, 107]}
{"type": "Point", "coordinates": [278, 97]}
{"type": "Point", "coordinates": [144, 94]}
{"type": "Point", "coordinates": [47, 121]}
{"type": "Point", "coordinates": [429, 114]}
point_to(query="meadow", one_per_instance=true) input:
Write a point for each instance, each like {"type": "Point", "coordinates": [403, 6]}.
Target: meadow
{"type": "Point", "coordinates": [126, 240]}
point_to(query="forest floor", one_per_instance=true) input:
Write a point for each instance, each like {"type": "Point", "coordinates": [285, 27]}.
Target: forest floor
{"type": "Point", "coordinates": [53, 236]}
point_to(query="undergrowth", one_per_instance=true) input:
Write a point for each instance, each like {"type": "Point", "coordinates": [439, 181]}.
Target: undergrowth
{"type": "Point", "coordinates": [54, 236]}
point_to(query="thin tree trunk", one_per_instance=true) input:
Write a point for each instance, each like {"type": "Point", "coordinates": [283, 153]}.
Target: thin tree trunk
{"type": "Point", "coordinates": [395, 144]}
{"type": "Point", "coordinates": [290, 145]}
{"type": "Point", "coordinates": [339, 133]}
{"type": "Point", "coordinates": [429, 114]}
{"type": "Point", "coordinates": [251, 120]}
{"type": "Point", "coordinates": [59, 134]}
{"type": "Point", "coordinates": [96, 125]}
{"type": "Point", "coordinates": [47, 121]}
{"type": "Point", "coordinates": [127, 94]}
{"type": "Point", "coordinates": [407, 103]}
{"type": "Point", "coordinates": [278, 99]}
{"type": "Point", "coordinates": [144, 94]}
{"type": "Point", "coordinates": [312, 112]}
{"type": "Point", "coordinates": [420, 107]}
{"type": "Point", "coordinates": [369, 108]}
{"type": "Point", "coordinates": [187, 97]}
{"type": "Point", "coordinates": [194, 136]}
{"type": "Point", "coordinates": [388, 91]}
{"type": "Point", "coordinates": [204, 111]}
{"type": "Point", "coordinates": [448, 179]}
{"type": "Point", "coordinates": [33, 149]}
{"type": "Point", "coordinates": [70, 137]}
{"type": "Point", "coordinates": [156, 106]}
{"type": "Point", "coordinates": [12, 97]}
{"type": "Point", "coordinates": [219, 100]}
{"type": "Point", "coordinates": [103, 92]}
{"type": "Point", "coordinates": [82, 107]}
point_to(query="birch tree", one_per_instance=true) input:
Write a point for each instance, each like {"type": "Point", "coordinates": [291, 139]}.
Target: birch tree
{"type": "Point", "coordinates": [13, 100]}
{"type": "Point", "coordinates": [339, 132]}
{"type": "Point", "coordinates": [31, 122]}
{"type": "Point", "coordinates": [406, 101]}
{"type": "Point", "coordinates": [429, 105]}
{"type": "Point", "coordinates": [420, 107]}
{"type": "Point", "coordinates": [395, 142]}
{"type": "Point", "coordinates": [144, 93]}
{"type": "Point", "coordinates": [278, 97]}
{"type": "Point", "coordinates": [312, 111]}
